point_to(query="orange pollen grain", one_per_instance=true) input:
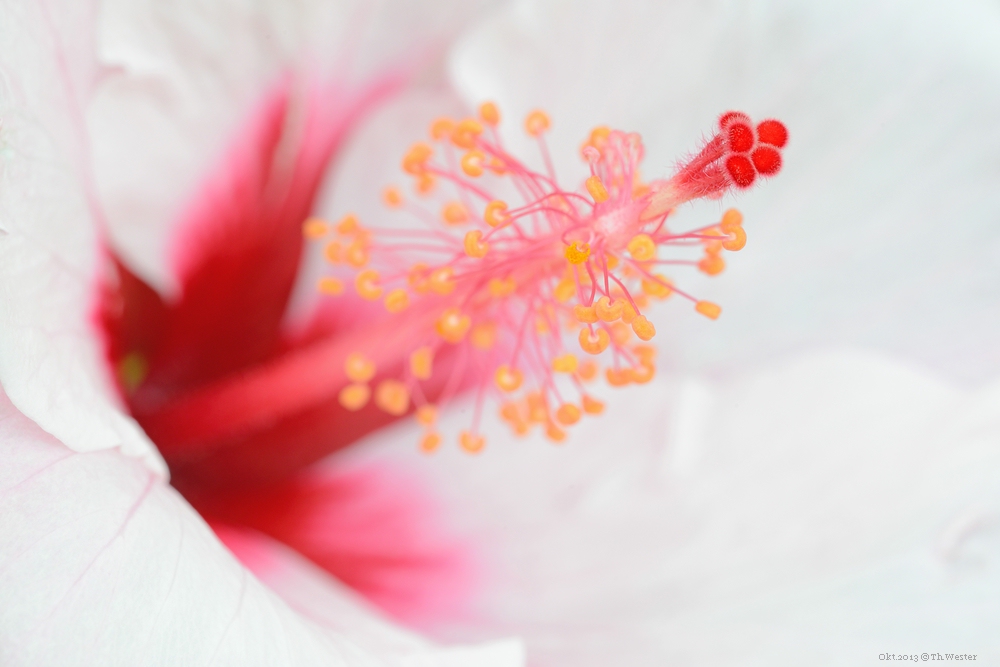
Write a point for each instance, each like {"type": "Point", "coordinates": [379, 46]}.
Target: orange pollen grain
{"type": "Point", "coordinates": [708, 309]}
{"type": "Point", "coordinates": [422, 363]}
{"type": "Point", "coordinates": [494, 215]}
{"type": "Point", "coordinates": [471, 443]}
{"type": "Point", "coordinates": [358, 367]}
{"type": "Point", "coordinates": [397, 300]}
{"type": "Point", "coordinates": [594, 343]}
{"type": "Point", "coordinates": [537, 123]}
{"type": "Point", "coordinates": [508, 379]}
{"type": "Point", "coordinates": [392, 197]}
{"type": "Point", "coordinates": [597, 190]}
{"type": "Point", "coordinates": [474, 245]}
{"type": "Point", "coordinates": [455, 213]}
{"type": "Point", "coordinates": [453, 325]}
{"type": "Point", "coordinates": [393, 397]}
{"type": "Point", "coordinates": [315, 228]}
{"type": "Point", "coordinates": [608, 310]}
{"type": "Point", "coordinates": [643, 328]}
{"type": "Point", "coordinates": [489, 113]}
{"type": "Point", "coordinates": [353, 397]}
{"type": "Point", "coordinates": [366, 284]}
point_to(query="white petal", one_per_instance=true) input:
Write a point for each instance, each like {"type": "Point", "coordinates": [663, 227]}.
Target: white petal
{"type": "Point", "coordinates": [181, 77]}
{"type": "Point", "coordinates": [881, 230]}
{"type": "Point", "coordinates": [101, 563]}
{"type": "Point", "coordinates": [50, 364]}
{"type": "Point", "coordinates": [840, 503]}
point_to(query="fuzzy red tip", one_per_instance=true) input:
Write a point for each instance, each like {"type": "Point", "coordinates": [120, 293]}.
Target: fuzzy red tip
{"type": "Point", "coordinates": [766, 160]}
{"type": "Point", "coordinates": [741, 170]}
{"type": "Point", "coordinates": [730, 117]}
{"type": "Point", "coordinates": [772, 132]}
{"type": "Point", "coordinates": [740, 137]}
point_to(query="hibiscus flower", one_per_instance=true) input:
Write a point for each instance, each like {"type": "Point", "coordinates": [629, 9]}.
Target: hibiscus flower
{"type": "Point", "coordinates": [724, 515]}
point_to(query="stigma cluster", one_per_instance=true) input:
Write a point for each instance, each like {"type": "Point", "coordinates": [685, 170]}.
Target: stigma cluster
{"type": "Point", "coordinates": [531, 290]}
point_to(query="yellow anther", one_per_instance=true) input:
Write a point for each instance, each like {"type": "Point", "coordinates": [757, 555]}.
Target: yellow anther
{"type": "Point", "coordinates": [564, 290]}
{"type": "Point", "coordinates": [334, 252]}
{"type": "Point", "coordinates": [658, 286]}
{"type": "Point", "coordinates": [441, 128]}
{"type": "Point", "coordinates": [731, 219]}
{"type": "Point", "coordinates": [585, 314]}
{"type": "Point", "coordinates": [501, 287]}
{"type": "Point", "coordinates": [366, 284]}
{"type": "Point", "coordinates": [608, 310]}
{"type": "Point", "coordinates": [454, 213]}
{"type": "Point", "coordinates": [426, 415]}
{"type": "Point", "coordinates": [620, 333]}
{"type": "Point", "coordinates": [708, 309]}
{"type": "Point", "coordinates": [592, 406]}
{"type": "Point", "coordinates": [392, 197]}
{"type": "Point", "coordinates": [568, 414]}
{"type": "Point", "coordinates": [554, 433]}
{"type": "Point", "coordinates": [430, 442]}
{"type": "Point", "coordinates": [587, 371]}
{"type": "Point", "coordinates": [643, 374]}
{"type": "Point", "coordinates": [471, 443]}
{"type": "Point", "coordinates": [441, 280]}
{"type": "Point", "coordinates": [356, 254]}
{"type": "Point", "coordinates": [643, 328]}
{"type": "Point", "coordinates": [577, 252]}
{"type": "Point", "coordinates": [472, 163]}
{"type": "Point", "coordinates": [597, 190]}
{"type": "Point", "coordinates": [508, 379]}
{"type": "Point", "coordinates": [618, 377]}
{"type": "Point", "coordinates": [489, 113]}
{"type": "Point", "coordinates": [397, 300]}
{"type": "Point", "coordinates": [646, 353]}
{"type": "Point", "coordinates": [453, 325]}
{"type": "Point", "coordinates": [315, 228]}
{"type": "Point", "coordinates": [348, 225]}
{"type": "Point", "coordinates": [422, 363]}
{"type": "Point", "coordinates": [712, 265]}
{"type": "Point", "coordinates": [511, 414]}
{"type": "Point", "coordinates": [418, 279]}
{"type": "Point", "coordinates": [599, 136]}
{"type": "Point", "coordinates": [393, 397]}
{"type": "Point", "coordinates": [465, 133]}
{"type": "Point", "coordinates": [541, 325]}
{"type": "Point", "coordinates": [425, 183]}
{"type": "Point", "coordinates": [612, 262]}
{"type": "Point", "coordinates": [642, 247]}
{"type": "Point", "coordinates": [537, 122]}
{"type": "Point", "coordinates": [628, 313]}
{"type": "Point", "coordinates": [484, 335]}
{"type": "Point", "coordinates": [330, 286]}
{"type": "Point", "coordinates": [737, 239]}
{"type": "Point", "coordinates": [353, 397]}
{"type": "Point", "coordinates": [495, 214]}
{"type": "Point", "coordinates": [566, 363]}
{"type": "Point", "coordinates": [594, 343]}
{"type": "Point", "coordinates": [415, 160]}
{"type": "Point", "coordinates": [359, 368]}
{"type": "Point", "coordinates": [474, 245]}
{"type": "Point", "coordinates": [538, 408]}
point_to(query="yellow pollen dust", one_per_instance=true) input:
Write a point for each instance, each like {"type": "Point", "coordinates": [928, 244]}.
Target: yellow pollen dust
{"type": "Point", "coordinates": [353, 397]}
{"type": "Point", "coordinates": [708, 309]}
{"type": "Point", "coordinates": [642, 247]}
{"type": "Point", "coordinates": [537, 123]}
{"type": "Point", "coordinates": [358, 367]}
{"type": "Point", "coordinates": [422, 363]}
{"type": "Point", "coordinates": [597, 190]}
{"type": "Point", "coordinates": [594, 342]}
{"type": "Point", "coordinates": [484, 335]}
{"type": "Point", "coordinates": [315, 228]}
{"type": "Point", "coordinates": [508, 379]}
{"type": "Point", "coordinates": [455, 213]}
{"type": "Point", "coordinates": [397, 300]}
{"type": "Point", "coordinates": [366, 284]}
{"type": "Point", "coordinates": [495, 215]}
{"type": "Point", "coordinates": [453, 325]}
{"type": "Point", "coordinates": [474, 244]}
{"type": "Point", "coordinates": [489, 113]}
{"type": "Point", "coordinates": [471, 442]}
{"type": "Point", "coordinates": [330, 286]}
{"type": "Point", "coordinates": [566, 363]}
{"type": "Point", "coordinates": [577, 253]}
{"type": "Point", "coordinates": [393, 397]}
